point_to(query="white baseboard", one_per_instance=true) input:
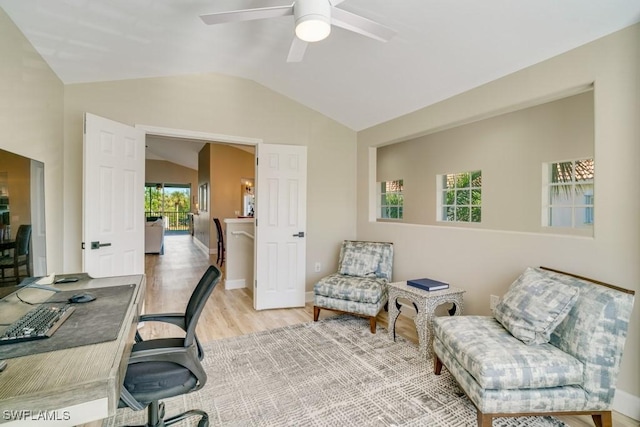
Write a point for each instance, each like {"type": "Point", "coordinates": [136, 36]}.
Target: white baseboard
{"type": "Point", "coordinates": [201, 246]}
{"type": "Point", "coordinates": [235, 284]}
{"type": "Point", "coordinates": [627, 404]}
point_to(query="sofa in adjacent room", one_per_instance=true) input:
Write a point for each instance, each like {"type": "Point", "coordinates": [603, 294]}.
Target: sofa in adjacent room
{"type": "Point", "coordinates": [154, 235]}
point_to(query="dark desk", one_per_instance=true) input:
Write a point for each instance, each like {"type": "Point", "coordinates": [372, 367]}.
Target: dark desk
{"type": "Point", "coordinates": [80, 384]}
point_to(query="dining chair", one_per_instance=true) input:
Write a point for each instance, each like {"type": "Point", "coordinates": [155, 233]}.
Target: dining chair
{"type": "Point", "coordinates": [221, 249]}
{"type": "Point", "coordinates": [20, 250]}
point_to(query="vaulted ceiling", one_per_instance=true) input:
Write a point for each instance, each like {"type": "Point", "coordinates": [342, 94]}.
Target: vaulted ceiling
{"type": "Point", "coordinates": [442, 47]}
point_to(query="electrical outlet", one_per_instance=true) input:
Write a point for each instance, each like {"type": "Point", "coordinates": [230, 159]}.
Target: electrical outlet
{"type": "Point", "coordinates": [318, 267]}
{"type": "Point", "coordinates": [493, 301]}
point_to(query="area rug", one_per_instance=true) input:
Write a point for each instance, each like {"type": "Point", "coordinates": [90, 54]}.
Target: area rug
{"type": "Point", "coordinates": [328, 373]}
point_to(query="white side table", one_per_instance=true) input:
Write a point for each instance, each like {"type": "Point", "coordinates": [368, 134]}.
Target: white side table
{"type": "Point", "coordinates": [425, 303]}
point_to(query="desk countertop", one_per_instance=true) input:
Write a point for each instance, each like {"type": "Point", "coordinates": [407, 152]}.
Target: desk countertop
{"type": "Point", "coordinates": [80, 383]}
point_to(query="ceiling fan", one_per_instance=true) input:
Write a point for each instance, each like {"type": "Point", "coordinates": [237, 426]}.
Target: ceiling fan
{"type": "Point", "coordinates": [313, 20]}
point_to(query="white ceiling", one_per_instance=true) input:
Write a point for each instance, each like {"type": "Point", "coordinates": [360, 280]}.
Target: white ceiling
{"type": "Point", "coordinates": [443, 47]}
{"type": "Point", "coordinates": [182, 151]}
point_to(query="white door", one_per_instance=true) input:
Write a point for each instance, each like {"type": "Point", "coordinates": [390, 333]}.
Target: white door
{"type": "Point", "coordinates": [281, 200]}
{"type": "Point", "coordinates": [113, 198]}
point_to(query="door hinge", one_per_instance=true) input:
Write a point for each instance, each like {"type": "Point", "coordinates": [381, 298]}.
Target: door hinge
{"type": "Point", "coordinates": [82, 245]}
{"type": "Point", "coordinates": [256, 161]}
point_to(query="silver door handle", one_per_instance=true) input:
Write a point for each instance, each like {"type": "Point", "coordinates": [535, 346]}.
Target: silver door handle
{"type": "Point", "coordinates": [98, 245]}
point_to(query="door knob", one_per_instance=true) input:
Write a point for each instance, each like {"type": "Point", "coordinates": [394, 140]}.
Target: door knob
{"type": "Point", "coordinates": [299, 234]}
{"type": "Point", "coordinates": [98, 245]}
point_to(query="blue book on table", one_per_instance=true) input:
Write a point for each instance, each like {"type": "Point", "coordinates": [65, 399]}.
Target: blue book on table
{"type": "Point", "coordinates": [428, 284]}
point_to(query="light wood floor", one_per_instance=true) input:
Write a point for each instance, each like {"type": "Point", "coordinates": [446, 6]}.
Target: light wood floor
{"type": "Point", "coordinates": [171, 278]}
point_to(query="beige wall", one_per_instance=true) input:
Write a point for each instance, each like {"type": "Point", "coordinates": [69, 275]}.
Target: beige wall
{"type": "Point", "coordinates": [228, 166]}
{"type": "Point", "coordinates": [31, 120]}
{"type": "Point", "coordinates": [228, 106]}
{"type": "Point", "coordinates": [162, 171]}
{"type": "Point", "coordinates": [485, 262]}
{"type": "Point", "coordinates": [509, 149]}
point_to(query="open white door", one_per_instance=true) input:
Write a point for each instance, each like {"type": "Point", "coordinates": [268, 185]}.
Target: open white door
{"type": "Point", "coordinates": [113, 198]}
{"type": "Point", "coordinates": [280, 251]}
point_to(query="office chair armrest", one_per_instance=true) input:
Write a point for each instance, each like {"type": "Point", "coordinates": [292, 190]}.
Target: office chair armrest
{"type": "Point", "coordinates": [183, 356]}
{"type": "Point", "coordinates": [172, 318]}
{"type": "Point", "coordinates": [129, 400]}
{"type": "Point", "coordinates": [179, 355]}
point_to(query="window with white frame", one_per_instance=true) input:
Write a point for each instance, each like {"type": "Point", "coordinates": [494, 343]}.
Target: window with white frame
{"type": "Point", "coordinates": [460, 197]}
{"type": "Point", "coordinates": [391, 200]}
{"type": "Point", "coordinates": [568, 194]}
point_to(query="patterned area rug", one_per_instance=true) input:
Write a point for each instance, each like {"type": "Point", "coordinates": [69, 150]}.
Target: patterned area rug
{"type": "Point", "coordinates": [328, 373]}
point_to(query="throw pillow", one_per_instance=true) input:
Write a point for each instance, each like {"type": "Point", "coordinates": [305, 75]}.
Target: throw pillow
{"type": "Point", "coordinates": [534, 306]}
{"type": "Point", "coordinates": [362, 264]}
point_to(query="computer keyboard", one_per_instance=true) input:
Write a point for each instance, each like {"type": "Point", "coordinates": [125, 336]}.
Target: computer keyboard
{"type": "Point", "coordinates": [40, 322]}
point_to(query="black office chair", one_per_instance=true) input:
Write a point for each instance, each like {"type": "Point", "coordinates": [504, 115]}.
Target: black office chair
{"type": "Point", "coordinates": [220, 259]}
{"type": "Point", "coordinates": [167, 367]}
{"type": "Point", "coordinates": [20, 253]}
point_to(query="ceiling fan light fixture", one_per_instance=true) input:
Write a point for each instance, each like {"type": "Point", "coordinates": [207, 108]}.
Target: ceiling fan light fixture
{"type": "Point", "coordinates": [313, 28]}
{"type": "Point", "coordinates": [313, 19]}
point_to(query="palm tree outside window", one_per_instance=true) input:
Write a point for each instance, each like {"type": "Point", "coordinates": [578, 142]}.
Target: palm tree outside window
{"type": "Point", "coordinates": [170, 201]}
{"type": "Point", "coordinates": [569, 194]}
{"type": "Point", "coordinates": [391, 199]}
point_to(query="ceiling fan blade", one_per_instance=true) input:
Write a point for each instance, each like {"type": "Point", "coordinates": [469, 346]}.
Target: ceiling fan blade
{"type": "Point", "coordinates": [356, 23]}
{"type": "Point", "coordinates": [247, 14]}
{"type": "Point", "coordinates": [297, 50]}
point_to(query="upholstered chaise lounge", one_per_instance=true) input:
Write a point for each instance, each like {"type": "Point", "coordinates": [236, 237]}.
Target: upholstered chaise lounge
{"type": "Point", "coordinates": [360, 285]}
{"type": "Point", "coordinates": [554, 346]}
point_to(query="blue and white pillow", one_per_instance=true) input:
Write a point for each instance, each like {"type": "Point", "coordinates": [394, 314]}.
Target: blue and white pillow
{"type": "Point", "coordinates": [362, 264]}
{"type": "Point", "coordinates": [534, 306]}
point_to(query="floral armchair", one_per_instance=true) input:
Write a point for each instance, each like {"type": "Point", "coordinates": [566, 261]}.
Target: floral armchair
{"type": "Point", "coordinates": [360, 285]}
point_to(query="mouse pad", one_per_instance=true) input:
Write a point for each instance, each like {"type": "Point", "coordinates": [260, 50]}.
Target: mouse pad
{"type": "Point", "coordinates": [91, 322]}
